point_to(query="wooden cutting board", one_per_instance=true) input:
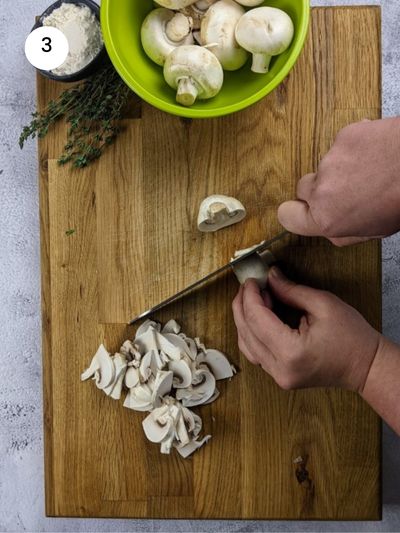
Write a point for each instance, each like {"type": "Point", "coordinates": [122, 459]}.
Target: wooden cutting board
{"type": "Point", "coordinates": [136, 242]}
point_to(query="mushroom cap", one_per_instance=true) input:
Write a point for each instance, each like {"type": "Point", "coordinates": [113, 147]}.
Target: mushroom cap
{"type": "Point", "coordinates": [265, 30]}
{"type": "Point", "coordinates": [250, 3]}
{"type": "Point", "coordinates": [154, 36]}
{"type": "Point", "coordinates": [197, 64]}
{"type": "Point", "coordinates": [175, 4]}
{"type": "Point", "coordinates": [218, 33]}
{"type": "Point", "coordinates": [218, 211]}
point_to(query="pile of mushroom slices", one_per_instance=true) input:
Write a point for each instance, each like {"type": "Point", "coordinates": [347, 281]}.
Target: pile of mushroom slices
{"type": "Point", "coordinates": [195, 41]}
{"type": "Point", "coordinates": [165, 372]}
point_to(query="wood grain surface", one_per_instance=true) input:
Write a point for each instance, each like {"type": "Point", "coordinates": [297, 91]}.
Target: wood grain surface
{"type": "Point", "coordinates": [135, 242]}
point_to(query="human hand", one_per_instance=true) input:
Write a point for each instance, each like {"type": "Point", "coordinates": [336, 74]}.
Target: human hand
{"type": "Point", "coordinates": [355, 194]}
{"type": "Point", "coordinates": [333, 346]}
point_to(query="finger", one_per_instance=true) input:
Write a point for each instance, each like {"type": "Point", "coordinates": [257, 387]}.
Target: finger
{"type": "Point", "coordinates": [296, 217]}
{"type": "Point", "coordinates": [305, 187]}
{"type": "Point", "coordinates": [292, 294]}
{"type": "Point", "coordinates": [261, 321]}
{"type": "Point", "coordinates": [267, 299]}
{"type": "Point", "coordinates": [348, 241]}
{"type": "Point", "coordinates": [245, 351]}
{"type": "Point", "coordinates": [252, 348]}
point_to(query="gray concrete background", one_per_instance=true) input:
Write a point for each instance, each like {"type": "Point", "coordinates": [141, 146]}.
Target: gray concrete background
{"type": "Point", "coordinates": [21, 442]}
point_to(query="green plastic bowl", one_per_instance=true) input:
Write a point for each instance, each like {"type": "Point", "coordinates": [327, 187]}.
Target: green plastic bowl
{"type": "Point", "coordinates": [121, 21]}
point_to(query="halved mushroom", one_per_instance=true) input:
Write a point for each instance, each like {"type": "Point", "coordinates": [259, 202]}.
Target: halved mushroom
{"type": "Point", "coordinates": [162, 31]}
{"type": "Point", "coordinates": [194, 72]}
{"type": "Point", "coordinates": [265, 32]}
{"type": "Point", "coordinates": [219, 211]}
{"type": "Point", "coordinates": [218, 34]}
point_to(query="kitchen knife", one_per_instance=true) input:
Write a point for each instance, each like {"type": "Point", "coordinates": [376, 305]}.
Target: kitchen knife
{"type": "Point", "coordinates": [256, 250]}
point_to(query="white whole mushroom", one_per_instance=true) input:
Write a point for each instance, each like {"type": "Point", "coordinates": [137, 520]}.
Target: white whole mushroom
{"type": "Point", "coordinates": [175, 4]}
{"type": "Point", "coordinates": [265, 32]}
{"type": "Point", "coordinates": [218, 33]}
{"type": "Point", "coordinates": [194, 72]}
{"type": "Point", "coordinates": [250, 3]}
{"type": "Point", "coordinates": [162, 31]}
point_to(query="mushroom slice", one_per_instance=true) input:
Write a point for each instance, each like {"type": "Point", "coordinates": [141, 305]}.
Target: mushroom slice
{"type": "Point", "coordinates": [201, 390]}
{"type": "Point", "coordinates": [150, 364]}
{"type": "Point", "coordinates": [182, 374]}
{"type": "Point", "coordinates": [219, 211]}
{"type": "Point", "coordinates": [102, 367]}
{"type": "Point", "coordinates": [218, 34]}
{"type": "Point", "coordinates": [152, 340]}
{"type": "Point", "coordinates": [213, 397]}
{"type": "Point", "coordinates": [194, 72]}
{"type": "Point", "coordinates": [131, 352]}
{"type": "Point", "coordinates": [171, 326]}
{"type": "Point", "coordinates": [179, 342]}
{"type": "Point", "coordinates": [154, 430]}
{"type": "Point", "coordinates": [217, 363]}
{"type": "Point", "coordinates": [131, 377]}
{"type": "Point", "coordinates": [191, 345]}
{"type": "Point", "coordinates": [265, 32]}
{"type": "Point", "coordinates": [115, 388]}
{"type": "Point", "coordinates": [182, 434]}
{"type": "Point", "coordinates": [139, 398]}
{"type": "Point", "coordinates": [193, 445]}
{"type": "Point", "coordinates": [162, 386]}
{"type": "Point", "coordinates": [194, 422]}
{"type": "Point", "coordinates": [146, 325]}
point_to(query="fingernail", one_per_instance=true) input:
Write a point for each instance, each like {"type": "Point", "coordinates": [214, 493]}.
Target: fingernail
{"type": "Point", "coordinates": [276, 273]}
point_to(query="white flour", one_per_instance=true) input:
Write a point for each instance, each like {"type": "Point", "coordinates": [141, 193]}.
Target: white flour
{"type": "Point", "coordinates": [82, 29]}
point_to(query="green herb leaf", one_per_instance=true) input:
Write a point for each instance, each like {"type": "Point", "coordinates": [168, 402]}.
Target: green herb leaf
{"type": "Point", "coordinates": [70, 232]}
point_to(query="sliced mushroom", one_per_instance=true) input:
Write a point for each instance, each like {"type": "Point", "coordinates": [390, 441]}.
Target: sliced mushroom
{"type": "Point", "coordinates": [156, 425]}
{"type": "Point", "coordinates": [162, 31]}
{"type": "Point", "coordinates": [218, 211]}
{"type": "Point", "coordinates": [131, 377]}
{"type": "Point", "coordinates": [102, 368]}
{"type": "Point", "coordinates": [182, 374]}
{"type": "Point", "coordinates": [194, 72]}
{"type": "Point", "coordinates": [146, 325]}
{"type": "Point", "coordinates": [265, 32]}
{"type": "Point", "coordinates": [201, 390]}
{"type": "Point", "coordinates": [171, 326]}
{"type": "Point", "coordinates": [217, 363]}
{"type": "Point", "coordinates": [193, 445]}
{"type": "Point", "coordinates": [218, 34]}
{"type": "Point", "coordinates": [131, 353]}
{"type": "Point", "coordinates": [140, 398]}
{"type": "Point", "coordinates": [115, 388]}
{"type": "Point", "coordinates": [162, 386]}
{"type": "Point", "coordinates": [151, 339]}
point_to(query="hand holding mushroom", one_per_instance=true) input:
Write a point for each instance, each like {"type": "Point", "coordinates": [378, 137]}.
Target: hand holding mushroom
{"type": "Point", "coordinates": [225, 33]}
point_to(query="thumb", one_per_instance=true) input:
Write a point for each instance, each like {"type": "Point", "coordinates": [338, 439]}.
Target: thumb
{"type": "Point", "coordinates": [292, 294]}
{"type": "Point", "coordinates": [295, 216]}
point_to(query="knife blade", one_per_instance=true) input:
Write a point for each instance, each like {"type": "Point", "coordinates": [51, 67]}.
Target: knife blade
{"type": "Point", "coordinates": [260, 248]}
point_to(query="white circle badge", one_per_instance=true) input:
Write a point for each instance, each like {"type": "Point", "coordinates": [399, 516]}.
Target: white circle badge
{"type": "Point", "coordinates": [46, 48]}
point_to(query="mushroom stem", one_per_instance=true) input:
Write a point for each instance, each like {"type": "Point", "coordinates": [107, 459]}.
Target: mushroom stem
{"type": "Point", "coordinates": [187, 92]}
{"type": "Point", "coordinates": [261, 63]}
{"type": "Point", "coordinates": [178, 28]}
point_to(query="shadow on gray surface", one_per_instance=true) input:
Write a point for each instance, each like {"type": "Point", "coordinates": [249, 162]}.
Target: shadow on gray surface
{"type": "Point", "coordinates": [391, 467]}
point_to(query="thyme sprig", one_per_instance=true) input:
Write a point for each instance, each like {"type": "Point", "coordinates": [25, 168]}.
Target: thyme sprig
{"type": "Point", "coordinates": [92, 110]}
